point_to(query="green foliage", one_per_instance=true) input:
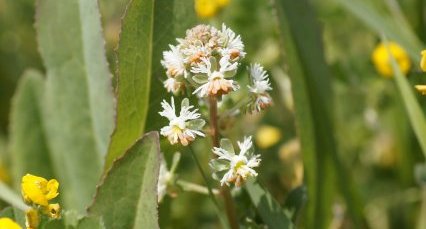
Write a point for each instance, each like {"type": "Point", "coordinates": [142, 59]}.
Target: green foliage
{"type": "Point", "coordinates": [311, 86]}
{"type": "Point", "coordinates": [393, 25]}
{"type": "Point", "coordinates": [29, 150]}
{"type": "Point", "coordinates": [78, 97]}
{"type": "Point", "coordinates": [145, 33]}
{"type": "Point", "coordinates": [127, 196]}
{"type": "Point", "coordinates": [268, 208]}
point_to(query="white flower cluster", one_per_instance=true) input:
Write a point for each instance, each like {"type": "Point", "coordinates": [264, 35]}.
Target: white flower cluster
{"type": "Point", "coordinates": [207, 59]}
{"type": "Point", "coordinates": [259, 88]}
{"type": "Point", "coordinates": [234, 168]}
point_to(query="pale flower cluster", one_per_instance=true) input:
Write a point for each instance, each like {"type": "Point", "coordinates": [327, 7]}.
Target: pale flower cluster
{"type": "Point", "coordinates": [207, 59]}
{"type": "Point", "coordinates": [204, 63]}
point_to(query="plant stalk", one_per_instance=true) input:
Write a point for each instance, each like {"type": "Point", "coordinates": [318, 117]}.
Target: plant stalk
{"type": "Point", "coordinates": [225, 191]}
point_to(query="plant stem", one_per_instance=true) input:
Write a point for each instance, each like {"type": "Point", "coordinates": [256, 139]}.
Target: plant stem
{"type": "Point", "coordinates": [226, 193]}
{"type": "Point", "coordinates": [210, 192]}
{"type": "Point", "coordinates": [191, 187]}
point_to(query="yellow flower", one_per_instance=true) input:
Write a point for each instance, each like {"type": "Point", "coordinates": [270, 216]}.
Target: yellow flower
{"type": "Point", "coordinates": [421, 89]}
{"type": "Point", "coordinates": [38, 190]}
{"type": "Point", "coordinates": [206, 8]}
{"type": "Point", "coordinates": [6, 223]}
{"type": "Point", "coordinates": [222, 3]}
{"type": "Point", "coordinates": [267, 136]}
{"type": "Point", "coordinates": [382, 61]}
{"type": "Point", "coordinates": [32, 219]}
{"type": "Point", "coordinates": [53, 211]}
{"type": "Point", "coordinates": [423, 61]}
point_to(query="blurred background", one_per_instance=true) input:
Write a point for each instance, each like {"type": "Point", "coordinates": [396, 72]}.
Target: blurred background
{"type": "Point", "coordinates": [374, 137]}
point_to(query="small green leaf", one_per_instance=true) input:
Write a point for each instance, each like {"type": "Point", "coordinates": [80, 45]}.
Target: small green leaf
{"type": "Point", "coordinates": [196, 124]}
{"type": "Point", "coordinates": [185, 102]}
{"type": "Point", "coordinates": [295, 202]}
{"type": "Point", "coordinates": [219, 165]}
{"type": "Point", "coordinates": [200, 78]}
{"type": "Point", "coordinates": [127, 197]}
{"type": "Point", "coordinates": [268, 208]}
{"type": "Point", "coordinates": [226, 144]}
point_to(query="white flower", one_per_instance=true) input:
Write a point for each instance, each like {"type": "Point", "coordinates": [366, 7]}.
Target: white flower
{"type": "Point", "coordinates": [214, 81]}
{"type": "Point", "coordinates": [183, 128]}
{"type": "Point", "coordinates": [173, 85]}
{"type": "Point", "coordinates": [232, 44]}
{"type": "Point", "coordinates": [163, 179]}
{"type": "Point", "coordinates": [174, 62]}
{"type": "Point", "coordinates": [259, 87]}
{"type": "Point", "coordinates": [237, 167]}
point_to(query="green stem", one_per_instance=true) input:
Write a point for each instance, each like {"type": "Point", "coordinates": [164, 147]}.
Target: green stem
{"type": "Point", "coordinates": [226, 193]}
{"type": "Point", "coordinates": [191, 187]}
{"type": "Point", "coordinates": [210, 191]}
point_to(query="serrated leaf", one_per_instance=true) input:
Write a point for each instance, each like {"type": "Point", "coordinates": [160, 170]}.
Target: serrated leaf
{"type": "Point", "coordinates": [78, 95]}
{"type": "Point", "coordinates": [147, 29]}
{"type": "Point", "coordinates": [312, 92]}
{"type": "Point", "coordinates": [28, 147]}
{"type": "Point", "coordinates": [127, 197]}
{"type": "Point", "coordinates": [268, 208]}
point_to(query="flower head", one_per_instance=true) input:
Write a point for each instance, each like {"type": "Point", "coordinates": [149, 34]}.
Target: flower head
{"type": "Point", "coordinates": [382, 60]}
{"type": "Point", "coordinates": [206, 8]}
{"type": "Point", "coordinates": [183, 128]}
{"type": "Point", "coordinates": [205, 59]}
{"type": "Point", "coordinates": [259, 88]}
{"type": "Point", "coordinates": [38, 190]}
{"type": "Point", "coordinates": [214, 79]}
{"type": "Point", "coordinates": [173, 85]}
{"type": "Point", "coordinates": [53, 211]}
{"type": "Point", "coordinates": [173, 62]}
{"type": "Point", "coordinates": [6, 223]}
{"type": "Point", "coordinates": [235, 168]}
{"type": "Point", "coordinates": [232, 45]}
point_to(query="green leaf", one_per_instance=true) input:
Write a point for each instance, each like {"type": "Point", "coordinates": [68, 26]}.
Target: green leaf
{"type": "Point", "coordinates": [146, 33]}
{"type": "Point", "coordinates": [78, 95]}
{"type": "Point", "coordinates": [90, 223]}
{"type": "Point", "coordinates": [311, 86]}
{"type": "Point", "coordinates": [268, 208]}
{"type": "Point", "coordinates": [29, 151]}
{"type": "Point", "coordinates": [390, 24]}
{"type": "Point", "coordinates": [127, 197]}
{"type": "Point", "coordinates": [412, 107]}
{"type": "Point", "coordinates": [295, 202]}
{"type": "Point", "coordinates": [226, 144]}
